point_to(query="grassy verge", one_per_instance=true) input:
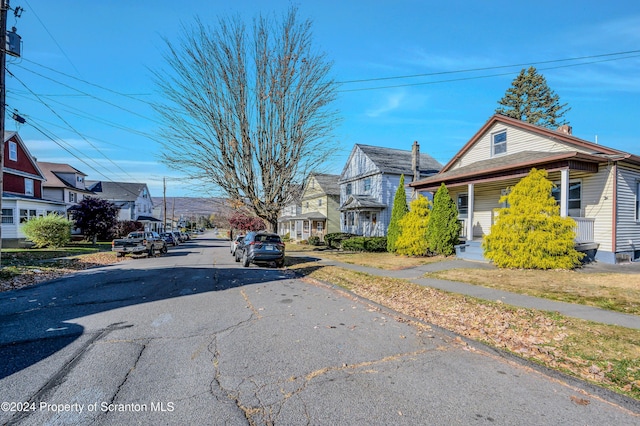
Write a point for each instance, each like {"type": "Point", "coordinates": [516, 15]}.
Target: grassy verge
{"type": "Point", "coordinates": [387, 261]}
{"type": "Point", "coordinates": [602, 354]}
{"type": "Point", "coordinates": [612, 291]}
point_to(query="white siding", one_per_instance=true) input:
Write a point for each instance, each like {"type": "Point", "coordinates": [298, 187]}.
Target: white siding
{"type": "Point", "coordinates": [518, 140]}
{"type": "Point", "coordinates": [628, 229]}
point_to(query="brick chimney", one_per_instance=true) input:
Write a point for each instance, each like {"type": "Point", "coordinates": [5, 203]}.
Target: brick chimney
{"type": "Point", "coordinates": [565, 128]}
{"type": "Point", "coordinates": [415, 160]}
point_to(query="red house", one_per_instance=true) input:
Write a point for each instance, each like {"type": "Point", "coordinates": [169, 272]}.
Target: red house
{"type": "Point", "coordinates": [22, 191]}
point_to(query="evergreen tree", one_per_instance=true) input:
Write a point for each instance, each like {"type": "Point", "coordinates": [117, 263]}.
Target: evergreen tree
{"type": "Point", "coordinates": [400, 209]}
{"type": "Point", "coordinates": [412, 240]}
{"type": "Point", "coordinates": [444, 228]}
{"type": "Point", "coordinates": [530, 99]}
{"type": "Point", "coordinates": [530, 233]}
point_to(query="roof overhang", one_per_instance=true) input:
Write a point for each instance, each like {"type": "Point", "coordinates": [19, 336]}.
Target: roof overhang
{"type": "Point", "coordinates": [514, 166]}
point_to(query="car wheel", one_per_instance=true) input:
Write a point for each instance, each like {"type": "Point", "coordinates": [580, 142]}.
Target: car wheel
{"type": "Point", "coordinates": [152, 252]}
{"type": "Point", "coordinates": [235, 255]}
{"type": "Point", "coordinates": [245, 260]}
{"type": "Point", "coordinates": [280, 263]}
{"type": "Point", "coordinates": [164, 249]}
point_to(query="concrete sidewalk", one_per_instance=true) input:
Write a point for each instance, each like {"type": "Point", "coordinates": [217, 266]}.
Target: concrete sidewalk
{"type": "Point", "coordinates": [416, 274]}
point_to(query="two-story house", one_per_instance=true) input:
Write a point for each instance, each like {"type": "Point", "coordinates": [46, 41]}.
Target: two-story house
{"type": "Point", "coordinates": [63, 183]}
{"type": "Point", "coordinates": [316, 213]}
{"type": "Point", "coordinates": [22, 193]}
{"type": "Point", "coordinates": [369, 181]}
{"type": "Point", "coordinates": [599, 187]}
{"type": "Point", "coordinates": [132, 199]}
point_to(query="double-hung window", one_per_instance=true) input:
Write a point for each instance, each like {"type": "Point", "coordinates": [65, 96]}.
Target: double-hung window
{"type": "Point", "coordinates": [7, 215]}
{"type": "Point", "coordinates": [575, 195]}
{"type": "Point", "coordinates": [499, 143]}
{"type": "Point", "coordinates": [28, 186]}
{"type": "Point", "coordinates": [463, 205]}
{"type": "Point", "coordinates": [13, 151]}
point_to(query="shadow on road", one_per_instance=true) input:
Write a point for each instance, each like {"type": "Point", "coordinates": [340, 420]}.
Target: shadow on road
{"type": "Point", "coordinates": [38, 321]}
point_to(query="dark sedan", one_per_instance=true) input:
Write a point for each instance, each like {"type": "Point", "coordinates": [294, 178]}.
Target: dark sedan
{"type": "Point", "coordinates": [260, 248]}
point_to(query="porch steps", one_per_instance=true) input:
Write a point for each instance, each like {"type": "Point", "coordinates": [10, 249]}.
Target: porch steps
{"type": "Point", "coordinates": [471, 250]}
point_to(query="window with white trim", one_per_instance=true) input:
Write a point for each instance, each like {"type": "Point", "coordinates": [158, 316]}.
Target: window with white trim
{"type": "Point", "coordinates": [499, 143]}
{"type": "Point", "coordinates": [13, 151]}
{"type": "Point", "coordinates": [7, 216]}
{"type": "Point", "coordinates": [28, 186]}
{"type": "Point", "coordinates": [367, 185]}
{"type": "Point", "coordinates": [348, 189]}
{"type": "Point", "coordinates": [463, 205]}
{"type": "Point", "coordinates": [575, 195]}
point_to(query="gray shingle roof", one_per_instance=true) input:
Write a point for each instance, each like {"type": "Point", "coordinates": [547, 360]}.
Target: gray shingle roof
{"type": "Point", "coordinates": [328, 183]}
{"type": "Point", "coordinates": [398, 161]}
{"type": "Point", "coordinates": [116, 191]}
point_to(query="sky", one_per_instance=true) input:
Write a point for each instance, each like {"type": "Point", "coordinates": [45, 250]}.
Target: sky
{"type": "Point", "coordinates": [83, 82]}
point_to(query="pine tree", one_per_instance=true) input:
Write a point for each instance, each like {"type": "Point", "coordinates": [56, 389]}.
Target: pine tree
{"type": "Point", "coordinates": [444, 228]}
{"type": "Point", "coordinates": [400, 209]}
{"type": "Point", "coordinates": [412, 240]}
{"type": "Point", "coordinates": [530, 233]}
{"type": "Point", "coordinates": [530, 99]}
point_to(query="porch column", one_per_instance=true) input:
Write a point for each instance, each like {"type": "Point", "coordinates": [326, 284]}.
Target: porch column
{"type": "Point", "coordinates": [470, 212]}
{"type": "Point", "coordinates": [564, 193]}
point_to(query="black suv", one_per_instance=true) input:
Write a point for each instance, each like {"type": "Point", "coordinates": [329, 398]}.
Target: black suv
{"type": "Point", "coordinates": [260, 247]}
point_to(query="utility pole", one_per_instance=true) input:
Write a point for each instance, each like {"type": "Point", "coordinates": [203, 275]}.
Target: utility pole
{"type": "Point", "coordinates": [164, 202]}
{"type": "Point", "coordinates": [3, 62]}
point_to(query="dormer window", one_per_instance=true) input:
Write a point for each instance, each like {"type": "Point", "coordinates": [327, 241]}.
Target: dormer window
{"type": "Point", "coordinates": [499, 143]}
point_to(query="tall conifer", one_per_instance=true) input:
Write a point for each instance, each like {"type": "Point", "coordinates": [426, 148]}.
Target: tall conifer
{"type": "Point", "coordinates": [400, 209]}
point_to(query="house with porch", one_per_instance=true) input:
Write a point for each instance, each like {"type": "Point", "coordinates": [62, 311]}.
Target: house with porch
{"type": "Point", "coordinates": [22, 191]}
{"type": "Point", "coordinates": [317, 212]}
{"type": "Point", "coordinates": [598, 186]}
{"type": "Point", "coordinates": [132, 199]}
{"type": "Point", "coordinates": [369, 181]}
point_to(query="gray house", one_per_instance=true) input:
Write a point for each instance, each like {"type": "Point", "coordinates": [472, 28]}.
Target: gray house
{"type": "Point", "coordinates": [369, 181]}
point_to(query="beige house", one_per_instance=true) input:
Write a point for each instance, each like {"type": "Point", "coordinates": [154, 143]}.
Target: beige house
{"type": "Point", "coordinates": [599, 187]}
{"type": "Point", "coordinates": [317, 214]}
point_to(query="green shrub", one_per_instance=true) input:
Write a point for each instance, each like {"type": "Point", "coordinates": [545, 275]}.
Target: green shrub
{"type": "Point", "coordinates": [412, 240]}
{"type": "Point", "coordinates": [530, 233]}
{"type": "Point", "coordinates": [368, 244]}
{"type": "Point", "coordinates": [334, 240]}
{"type": "Point", "coordinates": [314, 240]}
{"type": "Point", "coordinates": [443, 229]}
{"type": "Point", "coordinates": [287, 237]}
{"type": "Point", "coordinates": [398, 211]}
{"type": "Point", "coordinates": [48, 231]}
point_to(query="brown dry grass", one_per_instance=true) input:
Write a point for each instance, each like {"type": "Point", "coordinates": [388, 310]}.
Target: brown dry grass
{"type": "Point", "coordinates": [614, 291]}
{"type": "Point", "coordinates": [607, 355]}
{"type": "Point", "coordinates": [387, 261]}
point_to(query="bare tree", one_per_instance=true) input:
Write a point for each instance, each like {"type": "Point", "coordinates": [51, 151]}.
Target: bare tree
{"type": "Point", "coordinates": [249, 112]}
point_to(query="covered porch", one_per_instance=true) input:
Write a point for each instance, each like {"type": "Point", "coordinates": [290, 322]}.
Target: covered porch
{"type": "Point", "coordinates": [361, 216]}
{"type": "Point", "coordinates": [303, 226]}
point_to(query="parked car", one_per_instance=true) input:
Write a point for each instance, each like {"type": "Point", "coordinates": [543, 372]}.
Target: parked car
{"type": "Point", "coordinates": [260, 248]}
{"type": "Point", "coordinates": [139, 242]}
{"type": "Point", "coordinates": [234, 244]}
{"type": "Point", "coordinates": [169, 238]}
{"type": "Point", "coordinates": [177, 236]}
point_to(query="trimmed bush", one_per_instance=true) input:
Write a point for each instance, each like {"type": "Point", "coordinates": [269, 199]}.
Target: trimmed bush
{"type": "Point", "coordinates": [51, 230]}
{"type": "Point", "coordinates": [530, 233]}
{"type": "Point", "coordinates": [314, 240]}
{"type": "Point", "coordinates": [443, 229]}
{"type": "Point", "coordinates": [368, 244]}
{"type": "Point", "coordinates": [413, 236]}
{"type": "Point", "coordinates": [400, 209]}
{"type": "Point", "coordinates": [334, 240]}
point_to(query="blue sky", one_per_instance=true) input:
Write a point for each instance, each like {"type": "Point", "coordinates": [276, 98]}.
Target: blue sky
{"type": "Point", "coordinates": [84, 79]}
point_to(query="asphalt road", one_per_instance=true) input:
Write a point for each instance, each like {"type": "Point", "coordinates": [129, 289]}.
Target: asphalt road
{"type": "Point", "coordinates": [193, 338]}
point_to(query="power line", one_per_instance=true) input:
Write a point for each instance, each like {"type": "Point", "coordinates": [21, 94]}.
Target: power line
{"type": "Point", "coordinates": [479, 77]}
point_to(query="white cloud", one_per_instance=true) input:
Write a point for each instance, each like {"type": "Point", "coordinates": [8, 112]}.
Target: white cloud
{"type": "Point", "coordinates": [390, 103]}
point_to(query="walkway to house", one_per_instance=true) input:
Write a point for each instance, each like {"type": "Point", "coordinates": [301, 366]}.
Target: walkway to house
{"type": "Point", "coordinates": [416, 274]}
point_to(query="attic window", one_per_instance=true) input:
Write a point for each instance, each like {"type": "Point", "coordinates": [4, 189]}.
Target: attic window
{"type": "Point", "coordinates": [13, 151]}
{"type": "Point", "coordinates": [499, 143]}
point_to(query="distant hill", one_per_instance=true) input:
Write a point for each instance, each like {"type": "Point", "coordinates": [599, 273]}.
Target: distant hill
{"type": "Point", "coordinates": [191, 206]}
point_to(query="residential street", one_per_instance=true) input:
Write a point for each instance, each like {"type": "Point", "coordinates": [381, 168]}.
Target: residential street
{"type": "Point", "coordinates": [192, 337]}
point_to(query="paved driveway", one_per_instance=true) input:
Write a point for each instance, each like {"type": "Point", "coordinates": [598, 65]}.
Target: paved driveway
{"type": "Point", "coordinates": [193, 338]}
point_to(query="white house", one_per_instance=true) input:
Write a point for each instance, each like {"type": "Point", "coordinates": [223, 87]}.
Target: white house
{"type": "Point", "coordinates": [599, 187]}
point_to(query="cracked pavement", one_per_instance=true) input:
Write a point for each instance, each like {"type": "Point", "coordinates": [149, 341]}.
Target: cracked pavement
{"type": "Point", "coordinates": [194, 338]}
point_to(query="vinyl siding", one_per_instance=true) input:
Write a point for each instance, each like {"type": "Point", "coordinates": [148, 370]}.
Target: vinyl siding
{"type": "Point", "coordinates": [518, 140]}
{"type": "Point", "coordinates": [628, 229]}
